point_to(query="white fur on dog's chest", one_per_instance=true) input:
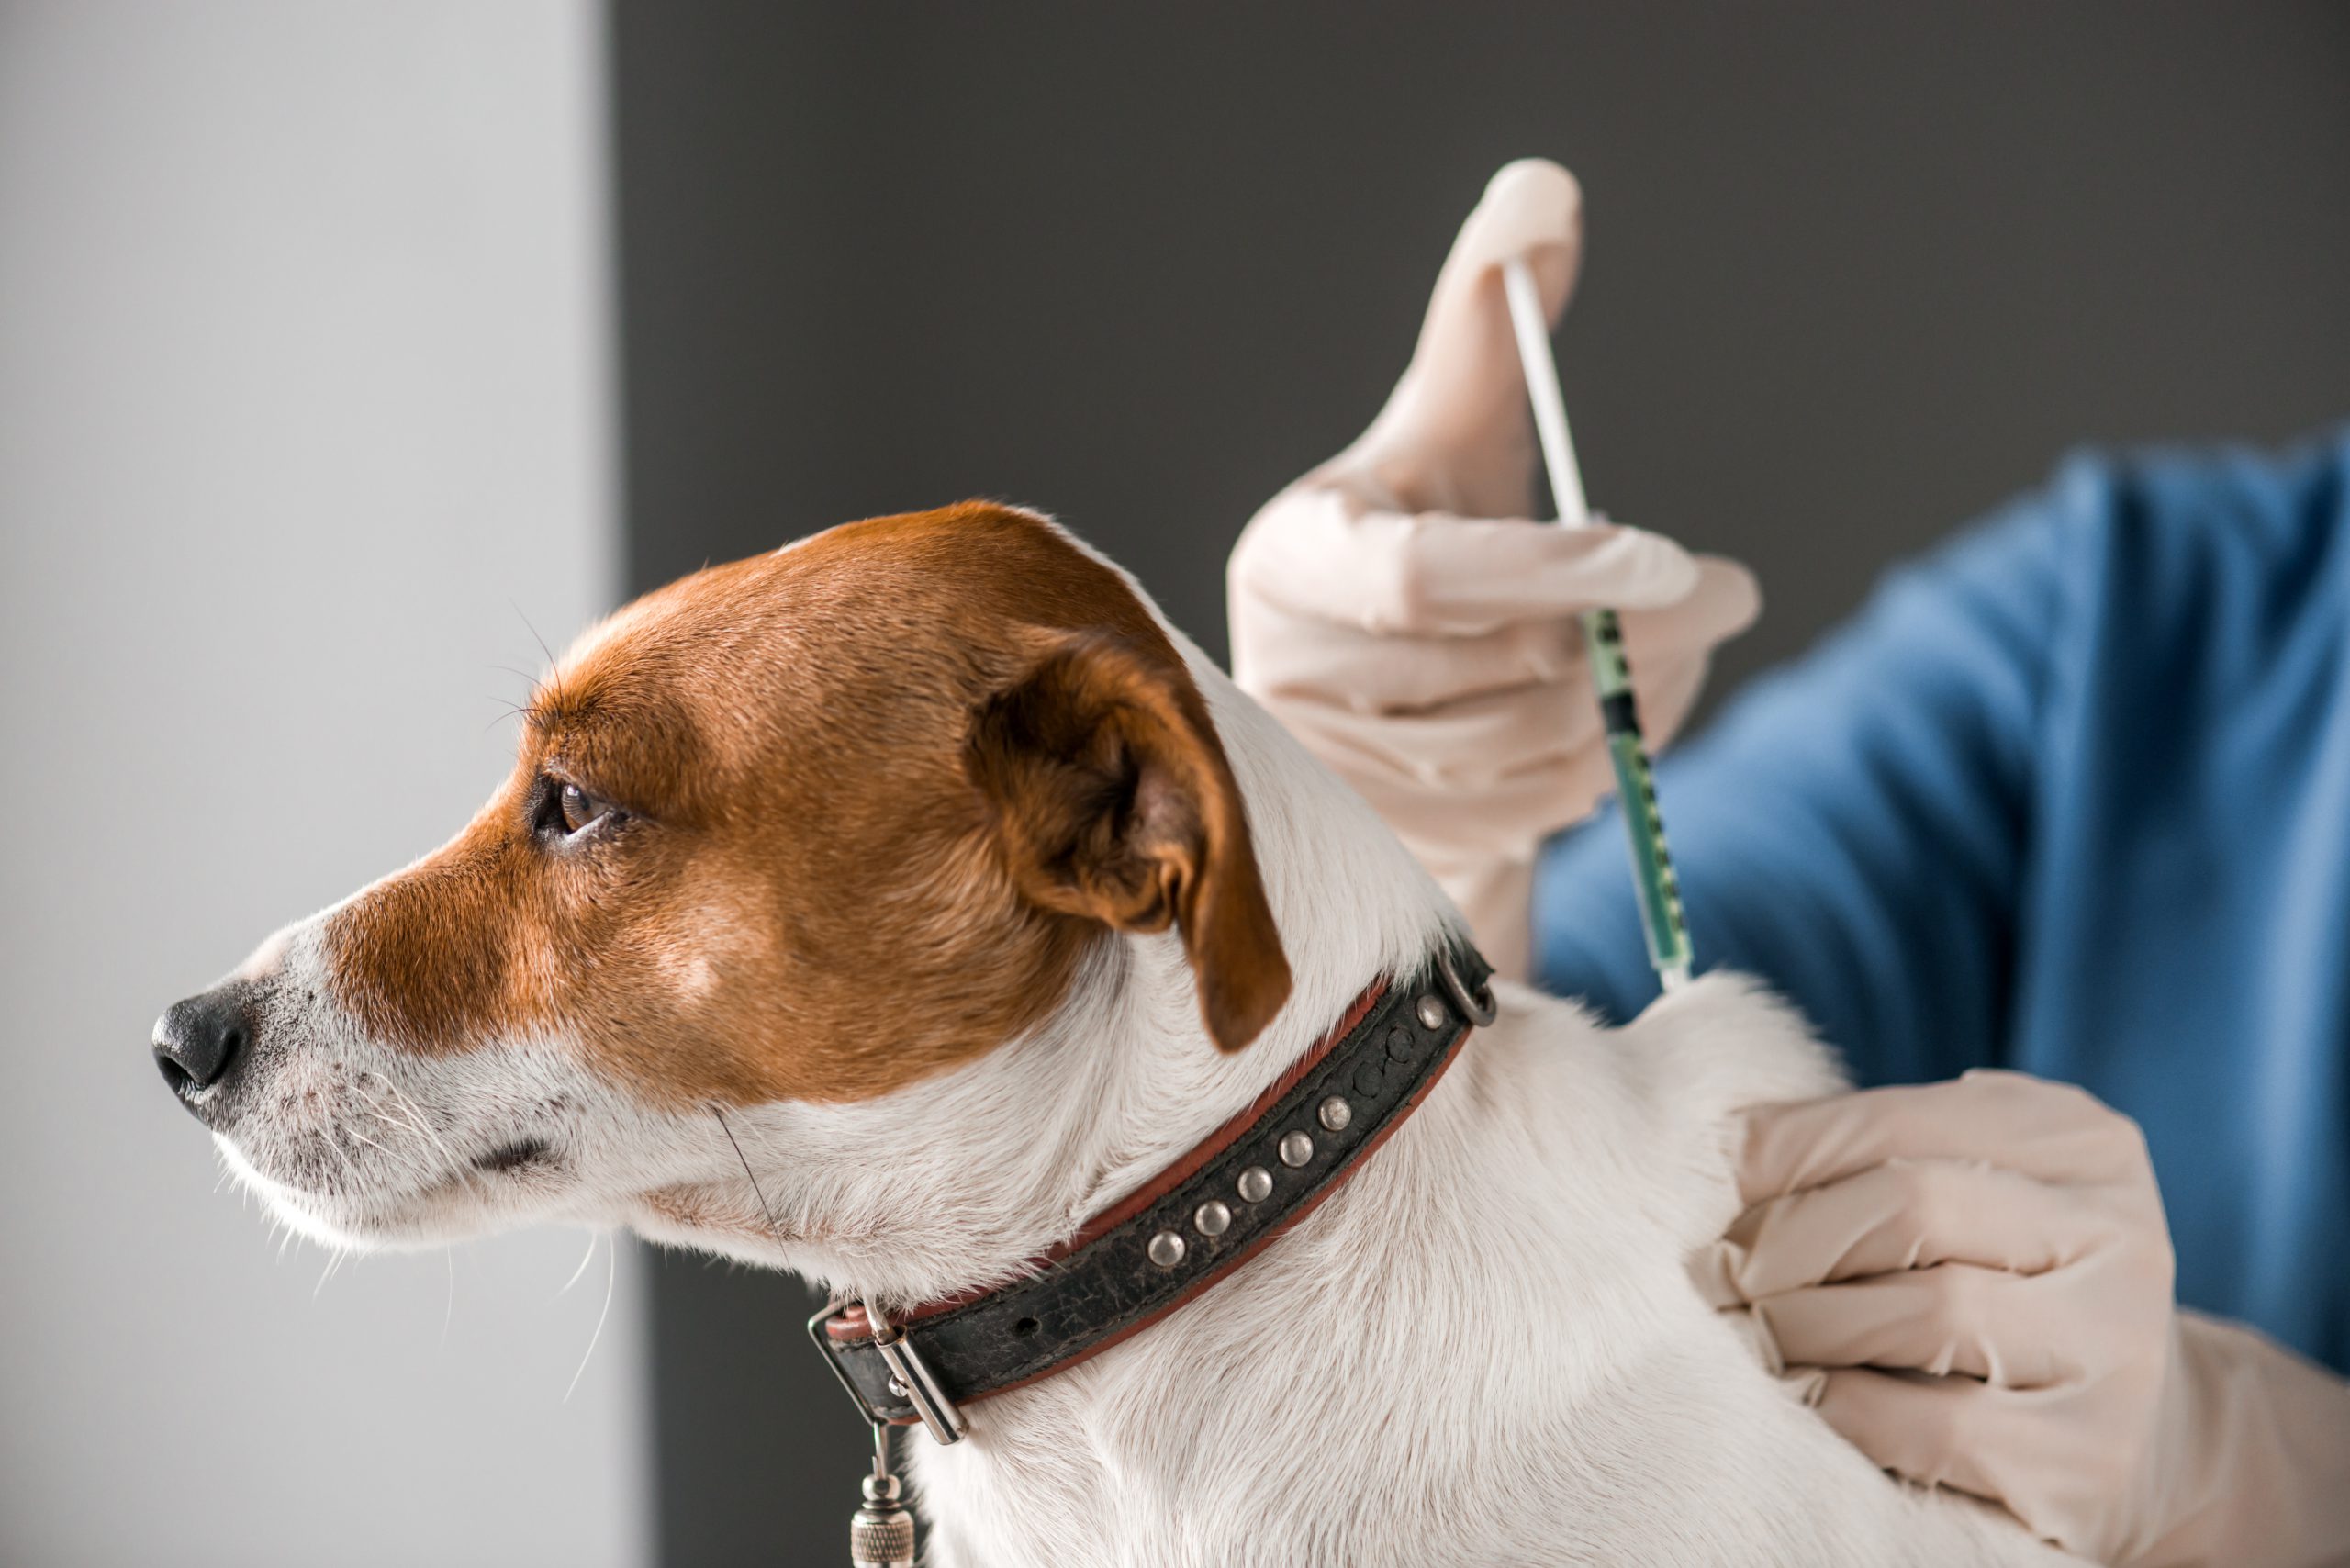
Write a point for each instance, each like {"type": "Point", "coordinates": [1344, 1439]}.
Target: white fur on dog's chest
{"type": "Point", "coordinates": [1482, 1350]}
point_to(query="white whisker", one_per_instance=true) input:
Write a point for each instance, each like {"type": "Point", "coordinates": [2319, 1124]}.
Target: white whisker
{"type": "Point", "coordinates": [463, 1170]}
{"type": "Point", "coordinates": [611, 1277]}
{"type": "Point", "coordinates": [335, 1148]}
{"type": "Point", "coordinates": [584, 1259]}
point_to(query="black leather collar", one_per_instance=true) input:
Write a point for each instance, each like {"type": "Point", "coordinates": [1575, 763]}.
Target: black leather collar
{"type": "Point", "coordinates": [1207, 1215]}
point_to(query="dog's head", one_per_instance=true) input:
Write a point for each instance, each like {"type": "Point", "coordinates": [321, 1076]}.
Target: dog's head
{"type": "Point", "coordinates": [802, 831]}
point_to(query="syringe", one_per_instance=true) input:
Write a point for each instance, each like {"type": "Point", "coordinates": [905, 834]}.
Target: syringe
{"type": "Point", "coordinates": [1661, 917]}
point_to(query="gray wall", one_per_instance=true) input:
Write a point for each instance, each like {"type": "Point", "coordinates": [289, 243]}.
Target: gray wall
{"type": "Point", "coordinates": [303, 408]}
{"type": "Point", "coordinates": [1857, 270]}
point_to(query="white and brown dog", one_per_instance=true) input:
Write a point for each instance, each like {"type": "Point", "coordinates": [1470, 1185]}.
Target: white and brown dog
{"type": "Point", "coordinates": [884, 908]}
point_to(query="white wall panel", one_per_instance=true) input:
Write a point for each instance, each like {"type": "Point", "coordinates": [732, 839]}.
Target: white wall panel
{"type": "Point", "coordinates": [303, 412]}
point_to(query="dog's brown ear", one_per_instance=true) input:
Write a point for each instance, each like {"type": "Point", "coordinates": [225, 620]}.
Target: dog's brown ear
{"type": "Point", "coordinates": [1112, 799]}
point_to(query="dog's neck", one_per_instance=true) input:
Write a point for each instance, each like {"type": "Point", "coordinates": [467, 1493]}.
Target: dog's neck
{"type": "Point", "coordinates": [1351, 904]}
{"type": "Point", "coordinates": [995, 1162]}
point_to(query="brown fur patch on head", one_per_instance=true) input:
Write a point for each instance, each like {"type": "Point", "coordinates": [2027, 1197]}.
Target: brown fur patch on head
{"type": "Point", "coordinates": [818, 885]}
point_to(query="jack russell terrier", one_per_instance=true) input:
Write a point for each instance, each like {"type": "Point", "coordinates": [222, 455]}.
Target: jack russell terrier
{"type": "Point", "coordinates": [915, 909]}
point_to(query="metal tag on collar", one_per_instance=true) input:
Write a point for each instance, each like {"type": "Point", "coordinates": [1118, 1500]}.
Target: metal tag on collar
{"type": "Point", "coordinates": [882, 1532]}
{"type": "Point", "coordinates": [910, 1381]}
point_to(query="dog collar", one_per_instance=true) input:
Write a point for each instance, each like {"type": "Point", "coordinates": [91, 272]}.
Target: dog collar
{"type": "Point", "coordinates": [1201, 1218]}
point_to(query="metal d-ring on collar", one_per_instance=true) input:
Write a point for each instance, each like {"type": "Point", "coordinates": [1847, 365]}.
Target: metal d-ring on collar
{"type": "Point", "coordinates": [1209, 1213]}
{"type": "Point", "coordinates": [1478, 1006]}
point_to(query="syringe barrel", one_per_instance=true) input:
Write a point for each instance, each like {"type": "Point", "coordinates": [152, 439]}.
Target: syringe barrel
{"type": "Point", "coordinates": [1662, 921]}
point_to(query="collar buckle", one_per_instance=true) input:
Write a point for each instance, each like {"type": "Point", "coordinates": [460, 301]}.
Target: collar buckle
{"type": "Point", "coordinates": [910, 1379]}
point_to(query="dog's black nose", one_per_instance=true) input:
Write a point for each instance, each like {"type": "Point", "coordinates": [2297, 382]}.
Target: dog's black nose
{"type": "Point", "coordinates": [199, 1040]}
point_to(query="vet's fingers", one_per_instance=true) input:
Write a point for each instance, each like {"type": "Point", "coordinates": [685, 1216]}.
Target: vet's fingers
{"type": "Point", "coordinates": [1461, 747]}
{"type": "Point", "coordinates": [1909, 1214]}
{"type": "Point", "coordinates": [2052, 1131]}
{"type": "Point", "coordinates": [1281, 653]}
{"type": "Point", "coordinates": [1319, 552]}
{"type": "Point", "coordinates": [1922, 1428]}
{"type": "Point", "coordinates": [1671, 649]}
{"type": "Point", "coordinates": [1954, 1317]}
{"type": "Point", "coordinates": [1506, 817]}
{"type": "Point", "coordinates": [1724, 602]}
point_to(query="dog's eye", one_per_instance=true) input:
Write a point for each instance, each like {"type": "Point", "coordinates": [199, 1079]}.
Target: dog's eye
{"type": "Point", "coordinates": [561, 812]}
{"type": "Point", "coordinates": [578, 808]}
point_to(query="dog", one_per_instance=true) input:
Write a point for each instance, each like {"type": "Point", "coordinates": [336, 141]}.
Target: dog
{"type": "Point", "coordinates": [884, 907]}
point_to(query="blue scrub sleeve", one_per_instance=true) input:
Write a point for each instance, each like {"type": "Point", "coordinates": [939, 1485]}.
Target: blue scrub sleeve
{"type": "Point", "coordinates": [1854, 827]}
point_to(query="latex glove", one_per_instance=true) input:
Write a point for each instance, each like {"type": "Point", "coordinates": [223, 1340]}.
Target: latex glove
{"type": "Point", "coordinates": [1397, 612]}
{"type": "Point", "coordinates": [1973, 1283]}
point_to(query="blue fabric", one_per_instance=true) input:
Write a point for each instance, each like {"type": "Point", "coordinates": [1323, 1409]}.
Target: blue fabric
{"type": "Point", "coordinates": [2070, 795]}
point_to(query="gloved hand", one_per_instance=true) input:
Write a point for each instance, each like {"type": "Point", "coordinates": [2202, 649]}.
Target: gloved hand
{"type": "Point", "coordinates": [1396, 612]}
{"type": "Point", "coordinates": [1973, 1283]}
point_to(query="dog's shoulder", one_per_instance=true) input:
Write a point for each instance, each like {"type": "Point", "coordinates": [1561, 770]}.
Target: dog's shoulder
{"type": "Point", "coordinates": [1728, 1041]}
{"type": "Point", "coordinates": [1696, 1058]}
